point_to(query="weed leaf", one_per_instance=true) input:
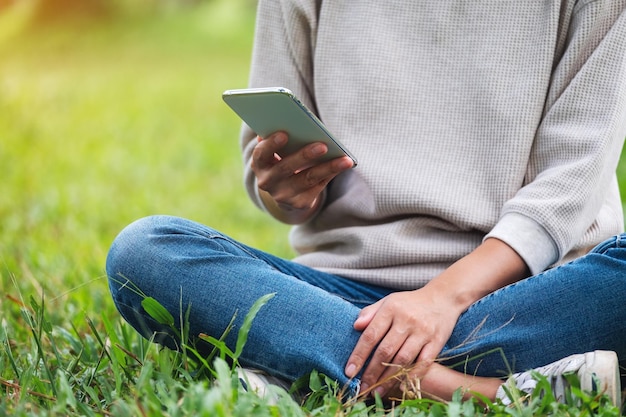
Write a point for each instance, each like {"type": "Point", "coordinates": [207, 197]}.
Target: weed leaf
{"type": "Point", "coordinates": [242, 336]}
{"type": "Point", "coordinates": [157, 311]}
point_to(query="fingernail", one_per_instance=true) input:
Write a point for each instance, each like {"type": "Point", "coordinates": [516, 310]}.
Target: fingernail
{"type": "Point", "coordinates": [318, 150]}
{"type": "Point", "coordinates": [350, 370]}
{"type": "Point", "coordinates": [280, 139]}
{"type": "Point", "coordinates": [345, 163]}
{"type": "Point", "coordinates": [380, 391]}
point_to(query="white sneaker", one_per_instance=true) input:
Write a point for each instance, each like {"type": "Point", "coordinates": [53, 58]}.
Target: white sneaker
{"type": "Point", "coordinates": [258, 381]}
{"type": "Point", "coordinates": [597, 371]}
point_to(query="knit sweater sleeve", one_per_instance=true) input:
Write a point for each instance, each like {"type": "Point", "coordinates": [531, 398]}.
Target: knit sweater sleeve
{"type": "Point", "coordinates": [578, 143]}
{"type": "Point", "coordinates": [281, 57]}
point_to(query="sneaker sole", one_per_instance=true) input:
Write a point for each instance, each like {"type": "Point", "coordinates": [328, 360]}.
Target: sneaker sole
{"type": "Point", "coordinates": [602, 365]}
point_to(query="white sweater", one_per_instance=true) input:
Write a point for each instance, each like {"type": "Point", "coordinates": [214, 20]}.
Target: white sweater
{"type": "Point", "coordinates": [470, 119]}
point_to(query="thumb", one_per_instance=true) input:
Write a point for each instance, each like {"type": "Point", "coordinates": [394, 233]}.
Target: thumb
{"type": "Point", "coordinates": [366, 315]}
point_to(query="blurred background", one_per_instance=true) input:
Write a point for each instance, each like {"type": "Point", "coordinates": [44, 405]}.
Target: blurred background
{"type": "Point", "coordinates": [111, 110]}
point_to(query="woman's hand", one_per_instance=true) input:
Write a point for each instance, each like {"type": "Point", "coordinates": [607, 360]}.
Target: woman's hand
{"type": "Point", "coordinates": [409, 329]}
{"type": "Point", "coordinates": [405, 329]}
{"type": "Point", "coordinates": [291, 186]}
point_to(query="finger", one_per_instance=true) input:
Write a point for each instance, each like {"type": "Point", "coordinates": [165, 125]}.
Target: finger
{"type": "Point", "coordinates": [263, 155]}
{"type": "Point", "coordinates": [429, 353]}
{"type": "Point", "coordinates": [302, 159]}
{"type": "Point", "coordinates": [369, 339]}
{"type": "Point", "coordinates": [366, 315]}
{"type": "Point", "coordinates": [294, 197]}
{"type": "Point", "coordinates": [402, 365]}
{"type": "Point", "coordinates": [299, 190]}
{"type": "Point", "coordinates": [410, 385]}
{"type": "Point", "coordinates": [308, 157]}
{"type": "Point", "coordinates": [323, 173]}
{"type": "Point", "coordinates": [395, 353]}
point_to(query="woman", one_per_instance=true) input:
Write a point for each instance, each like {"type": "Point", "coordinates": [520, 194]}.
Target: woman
{"type": "Point", "coordinates": [488, 134]}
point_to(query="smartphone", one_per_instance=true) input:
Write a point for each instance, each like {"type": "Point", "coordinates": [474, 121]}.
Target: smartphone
{"type": "Point", "coordinates": [269, 110]}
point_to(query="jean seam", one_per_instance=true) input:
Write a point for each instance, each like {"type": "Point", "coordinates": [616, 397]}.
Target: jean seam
{"type": "Point", "coordinates": [252, 254]}
{"type": "Point", "coordinates": [238, 245]}
{"type": "Point", "coordinates": [353, 300]}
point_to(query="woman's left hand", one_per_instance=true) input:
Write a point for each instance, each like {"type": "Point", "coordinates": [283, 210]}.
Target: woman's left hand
{"type": "Point", "coordinates": [406, 331]}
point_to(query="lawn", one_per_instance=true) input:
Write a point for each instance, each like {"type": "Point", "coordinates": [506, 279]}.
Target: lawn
{"type": "Point", "coordinates": [103, 121]}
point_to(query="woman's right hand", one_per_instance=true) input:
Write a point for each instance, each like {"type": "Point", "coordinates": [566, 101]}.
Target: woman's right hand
{"type": "Point", "coordinates": [291, 186]}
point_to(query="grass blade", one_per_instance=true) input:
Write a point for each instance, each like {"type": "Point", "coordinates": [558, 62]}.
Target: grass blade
{"type": "Point", "coordinates": [242, 336]}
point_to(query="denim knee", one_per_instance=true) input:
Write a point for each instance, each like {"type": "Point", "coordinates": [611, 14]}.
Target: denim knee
{"type": "Point", "coordinates": [136, 245]}
{"type": "Point", "coordinates": [130, 239]}
{"type": "Point", "coordinates": [126, 262]}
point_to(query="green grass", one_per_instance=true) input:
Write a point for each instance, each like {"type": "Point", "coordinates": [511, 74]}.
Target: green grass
{"type": "Point", "coordinates": [102, 123]}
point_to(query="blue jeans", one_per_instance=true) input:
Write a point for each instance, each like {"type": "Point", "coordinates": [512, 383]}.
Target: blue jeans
{"type": "Point", "coordinates": [573, 308]}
